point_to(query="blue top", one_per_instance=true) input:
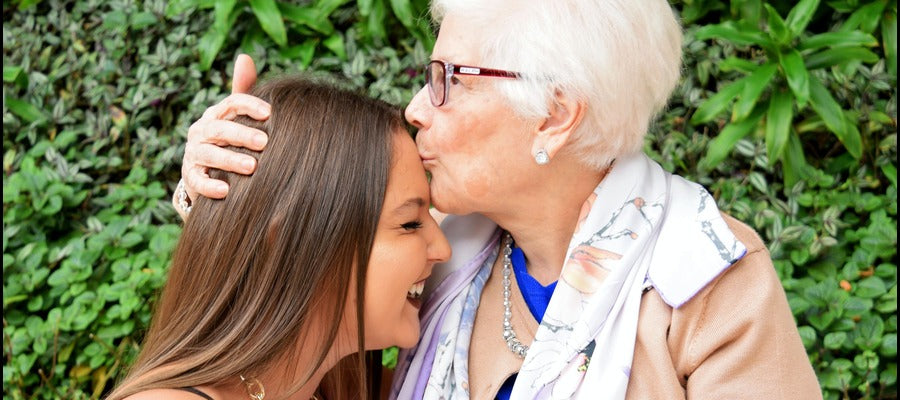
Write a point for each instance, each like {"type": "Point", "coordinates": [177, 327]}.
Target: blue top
{"type": "Point", "coordinates": [537, 297]}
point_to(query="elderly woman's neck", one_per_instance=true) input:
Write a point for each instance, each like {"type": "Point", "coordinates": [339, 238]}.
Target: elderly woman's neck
{"type": "Point", "coordinates": [543, 221]}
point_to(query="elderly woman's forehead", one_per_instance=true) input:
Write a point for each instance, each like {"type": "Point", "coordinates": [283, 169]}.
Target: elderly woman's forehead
{"type": "Point", "coordinates": [457, 41]}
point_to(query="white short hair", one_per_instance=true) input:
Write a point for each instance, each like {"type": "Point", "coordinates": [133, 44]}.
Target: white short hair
{"type": "Point", "coordinates": [621, 57]}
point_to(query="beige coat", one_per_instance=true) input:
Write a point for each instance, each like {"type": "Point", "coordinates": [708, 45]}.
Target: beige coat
{"type": "Point", "coordinates": [736, 339]}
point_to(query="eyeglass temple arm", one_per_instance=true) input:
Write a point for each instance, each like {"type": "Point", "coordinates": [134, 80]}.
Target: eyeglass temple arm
{"type": "Point", "coordinates": [478, 71]}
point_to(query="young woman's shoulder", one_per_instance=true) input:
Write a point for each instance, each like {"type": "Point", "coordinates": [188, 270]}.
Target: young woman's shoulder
{"type": "Point", "coordinates": [168, 394]}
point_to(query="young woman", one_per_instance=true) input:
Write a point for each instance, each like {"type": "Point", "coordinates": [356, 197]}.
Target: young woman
{"type": "Point", "coordinates": [320, 255]}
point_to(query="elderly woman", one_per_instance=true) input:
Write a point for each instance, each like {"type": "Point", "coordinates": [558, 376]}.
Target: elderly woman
{"type": "Point", "coordinates": [580, 268]}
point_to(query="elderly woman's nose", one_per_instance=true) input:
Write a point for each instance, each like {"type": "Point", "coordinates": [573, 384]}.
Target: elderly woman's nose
{"type": "Point", "coordinates": [417, 109]}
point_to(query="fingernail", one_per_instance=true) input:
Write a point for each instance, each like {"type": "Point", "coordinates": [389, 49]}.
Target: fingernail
{"type": "Point", "coordinates": [222, 187]}
{"type": "Point", "coordinates": [260, 140]}
{"type": "Point", "coordinates": [248, 164]}
{"type": "Point", "coordinates": [264, 109]}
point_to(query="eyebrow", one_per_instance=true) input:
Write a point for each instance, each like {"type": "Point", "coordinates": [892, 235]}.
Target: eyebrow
{"type": "Point", "coordinates": [415, 202]}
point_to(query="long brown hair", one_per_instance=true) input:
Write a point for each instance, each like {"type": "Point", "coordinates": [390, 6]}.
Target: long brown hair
{"type": "Point", "coordinates": [252, 272]}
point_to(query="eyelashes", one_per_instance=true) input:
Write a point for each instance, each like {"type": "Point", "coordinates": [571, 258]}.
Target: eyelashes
{"type": "Point", "coordinates": [412, 225]}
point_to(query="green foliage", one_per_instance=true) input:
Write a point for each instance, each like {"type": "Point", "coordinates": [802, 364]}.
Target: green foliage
{"type": "Point", "coordinates": [310, 25]}
{"type": "Point", "coordinates": [828, 210]}
{"type": "Point", "coordinates": [786, 69]}
{"type": "Point", "coordinates": [787, 113]}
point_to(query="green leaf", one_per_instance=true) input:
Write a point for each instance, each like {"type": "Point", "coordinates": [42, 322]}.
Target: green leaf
{"type": "Point", "coordinates": [24, 5]}
{"type": "Point", "coordinates": [389, 357]}
{"type": "Point", "coordinates": [754, 86]}
{"type": "Point", "coordinates": [130, 239]}
{"type": "Point", "coordinates": [871, 287]}
{"type": "Point", "coordinates": [211, 42]}
{"type": "Point", "coordinates": [890, 172]}
{"type": "Point", "coordinates": [778, 31]}
{"type": "Point", "coordinates": [840, 55]}
{"type": "Point", "coordinates": [25, 111]}
{"type": "Point", "coordinates": [302, 52]}
{"type": "Point", "coordinates": [838, 375]}
{"type": "Point", "coordinates": [799, 16]}
{"type": "Point", "coordinates": [714, 105]}
{"type": "Point", "coordinates": [326, 7]}
{"type": "Point", "coordinates": [833, 116]}
{"type": "Point", "coordinates": [797, 76]}
{"type": "Point", "coordinates": [748, 12]}
{"type": "Point", "coordinates": [866, 18]}
{"type": "Point", "coordinates": [778, 124]}
{"type": "Point", "coordinates": [758, 181]}
{"type": "Point", "coordinates": [720, 147]}
{"type": "Point", "coordinates": [737, 64]}
{"type": "Point", "coordinates": [795, 167]}
{"type": "Point", "coordinates": [835, 340]}
{"type": "Point", "coordinates": [889, 345]}
{"type": "Point", "coordinates": [115, 20]}
{"type": "Point", "coordinates": [335, 43]}
{"type": "Point", "coordinates": [142, 20]}
{"type": "Point", "coordinates": [403, 11]}
{"type": "Point", "coordinates": [222, 14]}
{"type": "Point", "coordinates": [870, 329]}
{"type": "Point", "coordinates": [822, 320]}
{"type": "Point", "coordinates": [365, 7]}
{"type": "Point", "coordinates": [209, 45]}
{"type": "Point", "coordinates": [808, 336]}
{"type": "Point", "coordinates": [306, 16]}
{"type": "Point", "coordinates": [889, 41]}
{"type": "Point", "coordinates": [375, 23]}
{"type": "Point", "coordinates": [270, 20]}
{"type": "Point", "coordinates": [728, 32]}
{"type": "Point", "coordinates": [11, 73]}
{"type": "Point", "coordinates": [838, 39]}
{"type": "Point", "coordinates": [14, 299]}
{"type": "Point", "coordinates": [176, 7]}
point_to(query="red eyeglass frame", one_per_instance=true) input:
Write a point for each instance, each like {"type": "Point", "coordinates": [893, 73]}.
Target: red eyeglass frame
{"type": "Point", "coordinates": [451, 69]}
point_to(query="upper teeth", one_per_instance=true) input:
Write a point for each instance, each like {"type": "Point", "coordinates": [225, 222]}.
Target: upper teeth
{"type": "Point", "coordinates": [416, 290]}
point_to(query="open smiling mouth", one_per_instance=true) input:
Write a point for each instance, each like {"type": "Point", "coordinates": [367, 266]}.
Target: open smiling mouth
{"type": "Point", "coordinates": [414, 294]}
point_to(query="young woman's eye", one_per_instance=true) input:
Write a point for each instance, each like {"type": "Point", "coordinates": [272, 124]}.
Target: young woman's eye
{"type": "Point", "coordinates": [454, 80]}
{"type": "Point", "coordinates": [412, 225]}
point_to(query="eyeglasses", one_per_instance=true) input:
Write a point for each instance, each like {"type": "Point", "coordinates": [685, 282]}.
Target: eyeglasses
{"type": "Point", "coordinates": [438, 74]}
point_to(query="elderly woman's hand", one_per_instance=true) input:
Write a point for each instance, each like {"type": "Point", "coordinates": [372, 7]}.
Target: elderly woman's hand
{"type": "Point", "coordinates": [216, 129]}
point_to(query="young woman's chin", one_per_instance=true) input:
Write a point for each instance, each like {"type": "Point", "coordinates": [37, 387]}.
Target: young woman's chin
{"type": "Point", "coordinates": [402, 332]}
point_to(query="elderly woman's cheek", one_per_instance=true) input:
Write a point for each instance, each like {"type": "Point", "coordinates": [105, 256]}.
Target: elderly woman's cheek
{"type": "Point", "coordinates": [478, 184]}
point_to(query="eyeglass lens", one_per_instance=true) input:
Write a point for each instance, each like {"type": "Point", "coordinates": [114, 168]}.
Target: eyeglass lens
{"type": "Point", "coordinates": [434, 75]}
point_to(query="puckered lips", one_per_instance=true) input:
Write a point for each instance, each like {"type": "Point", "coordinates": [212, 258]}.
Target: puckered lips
{"type": "Point", "coordinates": [427, 159]}
{"type": "Point", "coordinates": [585, 270]}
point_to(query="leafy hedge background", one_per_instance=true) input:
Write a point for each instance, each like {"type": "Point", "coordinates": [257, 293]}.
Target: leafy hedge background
{"type": "Point", "coordinates": [786, 112]}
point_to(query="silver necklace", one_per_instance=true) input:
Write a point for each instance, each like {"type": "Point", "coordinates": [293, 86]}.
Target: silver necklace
{"type": "Point", "coordinates": [512, 342]}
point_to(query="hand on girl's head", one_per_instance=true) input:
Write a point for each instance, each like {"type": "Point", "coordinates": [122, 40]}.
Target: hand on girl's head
{"type": "Point", "coordinates": [216, 129]}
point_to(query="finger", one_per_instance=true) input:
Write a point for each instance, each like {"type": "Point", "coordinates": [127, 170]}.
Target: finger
{"type": "Point", "coordinates": [197, 181]}
{"type": "Point", "coordinates": [239, 104]}
{"type": "Point", "coordinates": [244, 74]}
{"type": "Point", "coordinates": [205, 156]}
{"type": "Point", "coordinates": [227, 133]}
